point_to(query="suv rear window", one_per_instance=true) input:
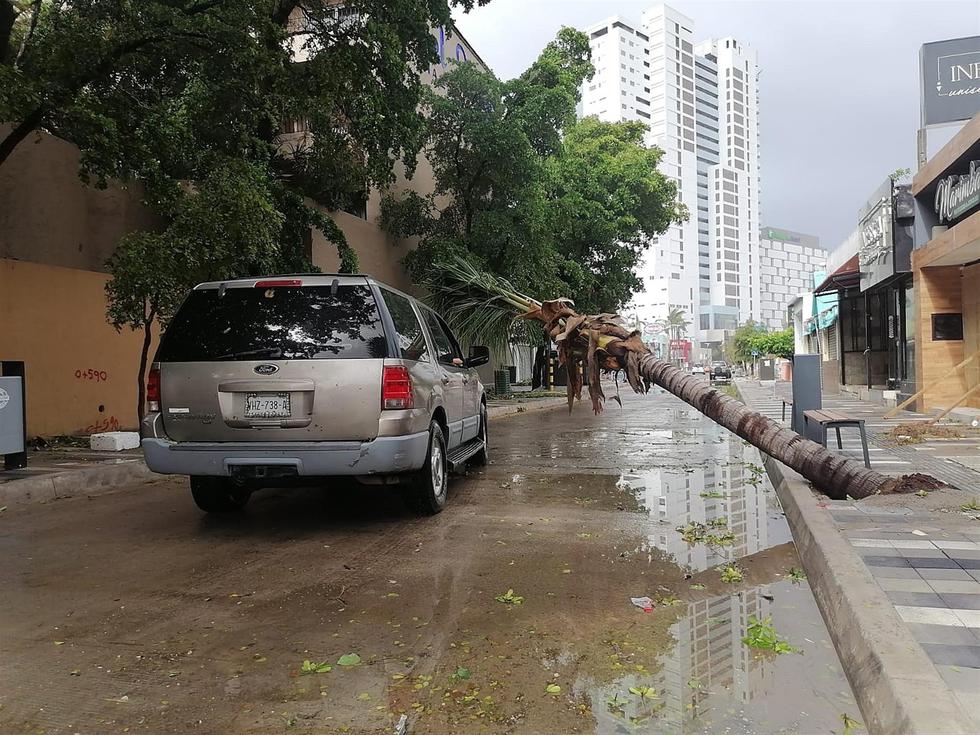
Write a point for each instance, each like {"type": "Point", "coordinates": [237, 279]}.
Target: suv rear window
{"type": "Point", "coordinates": [286, 323]}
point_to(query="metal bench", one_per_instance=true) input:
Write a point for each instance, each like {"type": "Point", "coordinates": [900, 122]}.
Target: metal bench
{"type": "Point", "coordinates": [835, 420]}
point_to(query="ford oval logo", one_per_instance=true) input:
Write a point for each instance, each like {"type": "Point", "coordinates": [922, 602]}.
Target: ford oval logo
{"type": "Point", "coordinates": [266, 369]}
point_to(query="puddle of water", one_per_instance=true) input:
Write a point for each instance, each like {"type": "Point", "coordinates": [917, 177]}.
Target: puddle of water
{"type": "Point", "coordinates": [709, 681]}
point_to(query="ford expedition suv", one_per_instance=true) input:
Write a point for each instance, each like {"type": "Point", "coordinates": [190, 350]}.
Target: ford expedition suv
{"type": "Point", "coordinates": [260, 382]}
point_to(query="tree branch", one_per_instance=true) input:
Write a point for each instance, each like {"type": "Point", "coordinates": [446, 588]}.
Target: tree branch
{"type": "Point", "coordinates": [35, 12]}
{"type": "Point", "coordinates": [37, 116]}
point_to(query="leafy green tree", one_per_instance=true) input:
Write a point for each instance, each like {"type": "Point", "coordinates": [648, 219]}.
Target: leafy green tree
{"type": "Point", "coordinates": [741, 344]}
{"type": "Point", "coordinates": [608, 201]}
{"type": "Point", "coordinates": [148, 283]}
{"type": "Point", "coordinates": [527, 193]}
{"type": "Point", "coordinates": [166, 91]}
{"type": "Point", "coordinates": [226, 227]}
{"type": "Point", "coordinates": [776, 344]}
{"type": "Point", "coordinates": [189, 98]}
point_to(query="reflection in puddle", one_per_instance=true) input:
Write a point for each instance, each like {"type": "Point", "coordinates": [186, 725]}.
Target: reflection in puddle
{"type": "Point", "coordinates": [709, 680]}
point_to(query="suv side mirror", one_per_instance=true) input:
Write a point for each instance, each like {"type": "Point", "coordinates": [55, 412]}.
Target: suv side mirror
{"type": "Point", "coordinates": [479, 355]}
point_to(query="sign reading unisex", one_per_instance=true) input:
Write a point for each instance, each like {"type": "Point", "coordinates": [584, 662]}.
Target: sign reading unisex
{"type": "Point", "coordinates": [950, 85]}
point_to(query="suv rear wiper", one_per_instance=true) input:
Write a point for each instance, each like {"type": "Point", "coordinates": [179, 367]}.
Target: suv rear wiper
{"type": "Point", "coordinates": [273, 353]}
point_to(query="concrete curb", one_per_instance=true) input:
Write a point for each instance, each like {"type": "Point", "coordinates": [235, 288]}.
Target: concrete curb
{"type": "Point", "coordinates": [105, 478]}
{"type": "Point", "coordinates": [895, 684]}
{"type": "Point", "coordinates": [97, 480]}
{"type": "Point", "coordinates": [537, 404]}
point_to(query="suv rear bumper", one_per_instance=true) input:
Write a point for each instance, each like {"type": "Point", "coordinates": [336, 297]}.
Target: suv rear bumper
{"type": "Point", "coordinates": [381, 456]}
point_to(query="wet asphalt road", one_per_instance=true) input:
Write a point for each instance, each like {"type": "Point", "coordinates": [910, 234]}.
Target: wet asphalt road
{"type": "Point", "coordinates": [134, 612]}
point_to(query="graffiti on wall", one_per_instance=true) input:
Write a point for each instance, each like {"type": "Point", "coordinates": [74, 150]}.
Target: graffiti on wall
{"type": "Point", "coordinates": [99, 376]}
{"type": "Point", "coordinates": [107, 424]}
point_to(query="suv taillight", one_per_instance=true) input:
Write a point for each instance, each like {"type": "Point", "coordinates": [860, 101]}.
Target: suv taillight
{"type": "Point", "coordinates": [153, 390]}
{"type": "Point", "coordinates": [396, 387]}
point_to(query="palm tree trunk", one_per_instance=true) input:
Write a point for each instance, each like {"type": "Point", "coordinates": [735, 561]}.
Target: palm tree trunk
{"type": "Point", "coordinates": [834, 474]}
{"type": "Point", "coordinates": [602, 342]}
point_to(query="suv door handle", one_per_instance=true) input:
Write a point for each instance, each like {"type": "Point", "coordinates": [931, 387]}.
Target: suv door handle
{"type": "Point", "coordinates": [445, 379]}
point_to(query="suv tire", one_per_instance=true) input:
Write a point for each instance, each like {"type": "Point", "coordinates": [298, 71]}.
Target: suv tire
{"type": "Point", "coordinates": [218, 494]}
{"type": "Point", "coordinates": [430, 486]}
{"type": "Point", "coordinates": [481, 458]}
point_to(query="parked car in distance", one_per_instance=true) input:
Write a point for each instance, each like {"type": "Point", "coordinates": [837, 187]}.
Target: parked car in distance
{"type": "Point", "coordinates": [697, 370]}
{"type": "Point", "coordinates": [721, 373]}
{"type": "Point", "coordinates": [284, 379]}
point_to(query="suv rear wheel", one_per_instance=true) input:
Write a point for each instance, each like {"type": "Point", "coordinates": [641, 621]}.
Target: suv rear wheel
{"type": "Point", "coordinates": [218, 494]}
{"type": "Point", "coordinates": [428, 492]}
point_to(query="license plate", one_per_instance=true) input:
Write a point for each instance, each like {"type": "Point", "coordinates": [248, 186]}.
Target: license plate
{"type": "Point", "coordinates": [266, 405]}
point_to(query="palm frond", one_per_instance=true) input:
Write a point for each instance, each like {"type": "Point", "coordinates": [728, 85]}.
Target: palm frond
{"type": "Point", "coordinates": [480, 307]}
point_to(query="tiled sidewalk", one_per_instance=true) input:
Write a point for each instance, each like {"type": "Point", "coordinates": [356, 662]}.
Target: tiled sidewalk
{"type": "Point", "coordinates": [927, 562]}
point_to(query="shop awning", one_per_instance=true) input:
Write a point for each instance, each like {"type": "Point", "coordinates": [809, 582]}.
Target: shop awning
{"type": "Point", "coordinates": [824, 320]}
{"type": "Point", "coordinates": [847, 276]}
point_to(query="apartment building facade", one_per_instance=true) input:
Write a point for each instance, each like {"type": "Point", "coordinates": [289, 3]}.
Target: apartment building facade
{"type": "Point", "coordinates": [788, 261]}
{"type": "Point", "coordinates": [701, 105]}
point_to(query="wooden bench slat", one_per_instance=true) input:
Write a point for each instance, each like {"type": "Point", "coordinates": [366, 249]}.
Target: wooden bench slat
{"type": "Point", "coordinates": [826, 417]}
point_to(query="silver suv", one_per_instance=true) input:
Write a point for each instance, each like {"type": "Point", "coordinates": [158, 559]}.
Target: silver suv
{"type": "Point", "coordinates": [261, 382]}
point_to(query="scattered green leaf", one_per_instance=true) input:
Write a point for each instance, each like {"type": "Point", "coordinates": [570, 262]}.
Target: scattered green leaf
{"type": "Point", "coordinates": [509, 598]}
{"type": "Point", "coordinates": [349, 659]}
{"type": "Point", "coordinates": [644, 692]}
{"type": "Point", "coordinates": [796, 574]}
{"type": "Point", "coordinates": [697, 586]}
{"type": "Point", "coordinates": [313, 667]}
{"type": "Point", "coordinates": [713, 494]}
{"type": "Point", "coordinates": [850, 724]}
{"type": "Point", "coordinates": [762, 635]}
{"type": "Point", "coordinates": [461, 673]}
{"type": "Point", "coordinates": [731, 574]}
{"type": "Point", "coordinates": [616, 706]}
{"type": "Point", "coordinates": [695, 533]}
{"type": "Point", "coordinates": [553, 689]}
{"type": "Point", "coordinates": [972, 506]}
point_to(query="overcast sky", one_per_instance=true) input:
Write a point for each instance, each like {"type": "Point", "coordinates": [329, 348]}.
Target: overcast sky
{"type": "Point", "coordinates": [838, 91]}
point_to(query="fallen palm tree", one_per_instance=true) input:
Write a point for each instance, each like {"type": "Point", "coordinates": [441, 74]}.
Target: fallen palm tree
{"type": "Point", "coordinates": [484, 308]}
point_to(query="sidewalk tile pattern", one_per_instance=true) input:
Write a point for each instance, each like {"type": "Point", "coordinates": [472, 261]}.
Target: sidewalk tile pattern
{"type": "Point", "coordinates": [928, 564]}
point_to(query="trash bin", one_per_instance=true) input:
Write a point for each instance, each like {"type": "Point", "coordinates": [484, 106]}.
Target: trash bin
{"type": "Point", "coordinates": [501, 382]}
{"type": "Point", "coordinates": [13, 415]}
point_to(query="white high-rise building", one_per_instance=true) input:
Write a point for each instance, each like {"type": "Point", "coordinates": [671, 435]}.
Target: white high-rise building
{"type": "Point", "coordinates": [702, 109]}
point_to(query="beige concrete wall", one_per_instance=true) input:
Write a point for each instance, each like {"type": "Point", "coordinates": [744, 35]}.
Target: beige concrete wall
{"type": "Point", "coordinates": [378, 254]}
{"type": "Point", "coordinates": [56, 234]}
{"type": "Point", "coordinates": [48, 215]}
{"type": "Point", "coordinates": [53, 319]}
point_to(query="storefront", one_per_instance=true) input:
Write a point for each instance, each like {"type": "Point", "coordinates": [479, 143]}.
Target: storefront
{"type": "Point", "coordinates": [886, 228]}
{"type": "Point", "coordinates": [946, 273]}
